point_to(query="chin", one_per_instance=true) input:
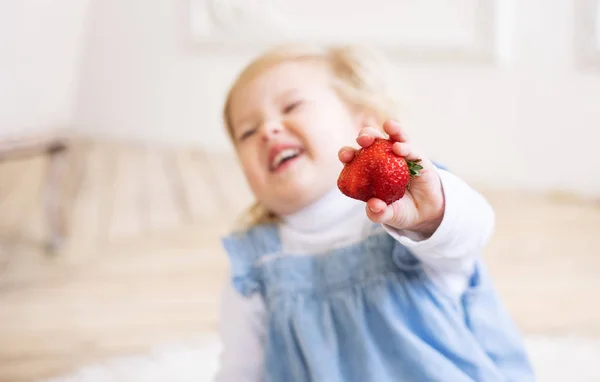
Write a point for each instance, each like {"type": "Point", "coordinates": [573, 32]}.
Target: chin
{"type": "Point", "coordinates": [311, 194]}
{"type": "Point", "coordinates": [300, 188]}
{"type": "Point", "coordinates": [292, 199]}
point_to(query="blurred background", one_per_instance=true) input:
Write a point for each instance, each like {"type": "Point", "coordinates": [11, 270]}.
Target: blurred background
{"type": "Point", "coordinates": [117, 179]}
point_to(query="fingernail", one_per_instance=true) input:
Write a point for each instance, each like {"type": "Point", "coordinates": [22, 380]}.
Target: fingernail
{"type": "Point", "coordinates": [375, 210]}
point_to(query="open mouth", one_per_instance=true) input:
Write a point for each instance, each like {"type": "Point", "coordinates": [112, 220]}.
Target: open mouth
{"type": "Point", "coordinates": [284, 158]}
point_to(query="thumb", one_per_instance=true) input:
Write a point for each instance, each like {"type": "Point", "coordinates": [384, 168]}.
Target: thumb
{"type": "Point", "coordinates": [379, 212]}
{"type": "Point", "coordinates": [398, 214]}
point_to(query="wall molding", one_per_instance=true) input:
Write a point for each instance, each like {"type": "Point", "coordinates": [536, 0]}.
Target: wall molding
{"type": "Point", "coordinates": [224, 24]}
{"type": "Point", "coordinates": [587, 33]}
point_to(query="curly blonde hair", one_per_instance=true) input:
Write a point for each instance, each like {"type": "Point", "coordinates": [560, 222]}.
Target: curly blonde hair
{"type": "Point", "coordinates": [360, 76]}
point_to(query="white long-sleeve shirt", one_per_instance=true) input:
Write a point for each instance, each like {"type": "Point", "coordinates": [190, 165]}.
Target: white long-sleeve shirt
{"type": "Point", "coordinates": [448, 257]}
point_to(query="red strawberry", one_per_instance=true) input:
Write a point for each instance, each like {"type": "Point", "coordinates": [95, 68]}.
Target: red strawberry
{"type": "Point", "coordinates": [377, 172]}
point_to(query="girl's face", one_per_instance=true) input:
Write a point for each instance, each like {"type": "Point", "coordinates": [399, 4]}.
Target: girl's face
{"type": "Point", "coordinates": [288, 125]}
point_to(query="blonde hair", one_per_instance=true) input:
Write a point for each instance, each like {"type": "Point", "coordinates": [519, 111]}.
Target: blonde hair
{"type": "Point", "coordinates": [362, 77]}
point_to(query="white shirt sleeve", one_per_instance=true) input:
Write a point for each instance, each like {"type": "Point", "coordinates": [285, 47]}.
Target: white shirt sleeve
{"type": "Point", "coordinates": [450, 253]}
{"type": "Point", "coordinates": [242, 329]}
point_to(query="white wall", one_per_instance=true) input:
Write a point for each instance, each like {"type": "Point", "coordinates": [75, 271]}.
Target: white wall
{"type": "Point", "coordinates": [534, 117]}
{"type": "Point", "coordinates": [40, 46]}
{"type": "Point", "coordinates": [141, 81]}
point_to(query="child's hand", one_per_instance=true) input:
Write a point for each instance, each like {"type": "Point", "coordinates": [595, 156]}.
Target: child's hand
{"type": "Point", "coordinates": [422, 207]}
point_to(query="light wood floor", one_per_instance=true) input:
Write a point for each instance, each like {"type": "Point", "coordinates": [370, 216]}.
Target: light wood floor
{"type": "Point", "coordinates": [143, 264]}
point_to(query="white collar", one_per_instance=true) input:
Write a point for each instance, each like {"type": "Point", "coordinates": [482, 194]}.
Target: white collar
{"type": "Point", "coordinates": [333, 209]}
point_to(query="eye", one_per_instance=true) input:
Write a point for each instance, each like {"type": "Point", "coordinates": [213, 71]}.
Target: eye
{"type": "Point", "coordinates": [290, 107]}
{"type": "Point", "coordinates": [246, 134]}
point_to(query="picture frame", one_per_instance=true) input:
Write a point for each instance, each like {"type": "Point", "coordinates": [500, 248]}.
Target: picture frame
{"type": "Point", "coordinates": [587, 34]}
{"type": "Point", "coordinates": [236, 25]}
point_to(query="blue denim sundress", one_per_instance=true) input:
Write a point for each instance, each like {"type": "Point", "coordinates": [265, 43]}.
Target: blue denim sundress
{"type": "Point", "coordinates": [368, 312]}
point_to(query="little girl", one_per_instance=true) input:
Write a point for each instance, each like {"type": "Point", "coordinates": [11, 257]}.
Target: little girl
{"type": "Point", "coordinates": [328, 288]}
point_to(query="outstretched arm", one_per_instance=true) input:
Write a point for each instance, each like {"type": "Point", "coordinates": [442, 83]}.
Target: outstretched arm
{"type": "Point", "coordinates": [450, 253]}
{"type": "Point", "coordinates": [443, 221]}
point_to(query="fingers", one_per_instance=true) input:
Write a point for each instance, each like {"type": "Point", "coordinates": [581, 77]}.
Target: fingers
{"type": "Point", "coordinates": [395, 131]}
{"type": "Point", "coordinates": [392, 128]}
{"type": "Point", "coordinates": [406, 150]}
{"type": "Point", "coordinates": [346, 154]}
{"type": "Point", "coordinates": [367, 136]}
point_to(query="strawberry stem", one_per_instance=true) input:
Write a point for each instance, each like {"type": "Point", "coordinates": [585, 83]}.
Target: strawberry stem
{"type": "Point", "coordinates": [414, 167]}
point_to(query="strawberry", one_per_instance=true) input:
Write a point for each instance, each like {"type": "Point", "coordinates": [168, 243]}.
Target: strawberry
{"type": "Point", "coordinates": [377, 172]}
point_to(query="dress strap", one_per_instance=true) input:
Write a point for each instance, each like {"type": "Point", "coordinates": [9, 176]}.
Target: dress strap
{"type": "Point", "coordinates": [245, 249]}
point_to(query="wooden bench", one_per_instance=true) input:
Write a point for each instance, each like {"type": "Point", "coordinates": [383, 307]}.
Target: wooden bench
{"type": "Point", "coordinates": [53, 145]}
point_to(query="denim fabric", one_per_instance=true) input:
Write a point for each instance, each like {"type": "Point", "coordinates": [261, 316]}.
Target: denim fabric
{"type": "Point", "coordinates": [368, 312]}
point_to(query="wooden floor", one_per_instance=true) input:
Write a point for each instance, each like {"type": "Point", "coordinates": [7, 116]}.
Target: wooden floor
{"type": "Point", "coordinates": [143, 263]}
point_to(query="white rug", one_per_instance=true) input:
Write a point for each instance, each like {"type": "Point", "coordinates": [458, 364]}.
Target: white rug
{"type": "Point", "coordinates": [555, 360]}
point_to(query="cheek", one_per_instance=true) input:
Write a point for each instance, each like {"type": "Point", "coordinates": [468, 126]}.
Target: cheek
{"type": "Point", "coordinates": [326, 142]}
{"type": "Point", "coordinates": [251, 168]}
{"type": "Point", "coordinates": [342, 126]}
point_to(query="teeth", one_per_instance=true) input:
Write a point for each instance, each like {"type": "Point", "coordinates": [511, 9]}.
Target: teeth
{"type": "Point", "coordinates": [283, 155]}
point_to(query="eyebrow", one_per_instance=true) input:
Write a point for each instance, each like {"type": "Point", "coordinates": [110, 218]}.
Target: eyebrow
{"type": "Point", "coordinates": [241, 121]}
{"type": "Point", "coordinates": [286, 94]}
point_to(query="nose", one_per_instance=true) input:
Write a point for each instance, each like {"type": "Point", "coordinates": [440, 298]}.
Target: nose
{"type": "Point", "coordinates": [271, 129]}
